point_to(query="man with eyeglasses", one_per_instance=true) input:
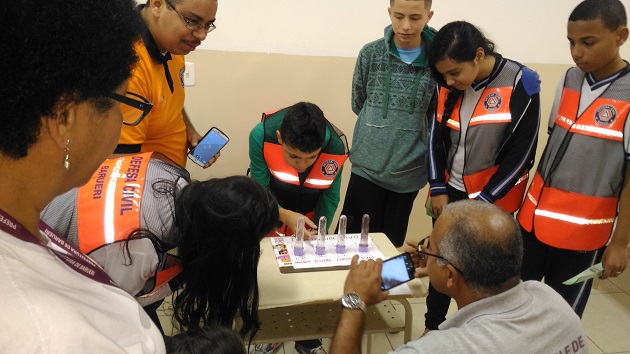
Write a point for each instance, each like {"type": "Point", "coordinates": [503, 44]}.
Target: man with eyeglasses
{"type": "Point", "coordinates": [174, 28]}
{"type": "Point", "coordinates": [474, 255]}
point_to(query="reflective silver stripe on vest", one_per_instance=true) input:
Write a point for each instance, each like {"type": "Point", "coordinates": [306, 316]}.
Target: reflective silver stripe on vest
{"type": "Point", "coordinates": [108, 208]}
{"type": "Point", "coordinates": [573, 219]}
{"type": "Point", "coordinates": [286, 177]}
{"type": "Point", "coordinates": [531, 198]}
{"type": "Point", "coordinates": [600, 131]}
{"type": "Point", "coordinates": [499, 117]}
{"type": "Point", "coordinates": [453, 123]}
{"type": "Point", "coordinates": [318, 182]}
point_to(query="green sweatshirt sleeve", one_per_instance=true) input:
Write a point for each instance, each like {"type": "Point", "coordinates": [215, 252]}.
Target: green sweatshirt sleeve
{"type": "Point", "coordinates": [329, 201]}
{"type": "Point", "coordinates": [257, 166]}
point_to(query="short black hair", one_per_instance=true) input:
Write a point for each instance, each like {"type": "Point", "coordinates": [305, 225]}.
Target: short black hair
{"type": "Point", "coordinates": [56, 50]}
{"type": "Point", "coordinates": [210, 339]}
{"type": "Point", "coordinates": [304, 127]}
{"type": "Point", "coordinates": [611, 12]}
{"type": "Point", "coordinates": [427, 3]}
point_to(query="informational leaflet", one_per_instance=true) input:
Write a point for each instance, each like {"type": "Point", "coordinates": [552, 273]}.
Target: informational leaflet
{"type": "Point", "coordinates": [285, 255]}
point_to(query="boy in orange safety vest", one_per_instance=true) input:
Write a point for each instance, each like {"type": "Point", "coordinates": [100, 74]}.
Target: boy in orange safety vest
{"type": "Point", "coordinates": [581, 187]}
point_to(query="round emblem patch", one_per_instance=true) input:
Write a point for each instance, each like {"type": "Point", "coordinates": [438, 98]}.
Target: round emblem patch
{"type": "Point", "coordinates": [330, 168]}
{"type": "Point", "coordinates": [605, 115]}
{"type": "Point", "coordinates": [492, 101]}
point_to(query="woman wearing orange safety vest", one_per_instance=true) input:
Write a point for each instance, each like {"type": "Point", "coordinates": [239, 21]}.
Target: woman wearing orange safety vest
{"type": "Point", "coordinates": [483, 138]}
{"type": "Point", "coordinates": [136, 210]}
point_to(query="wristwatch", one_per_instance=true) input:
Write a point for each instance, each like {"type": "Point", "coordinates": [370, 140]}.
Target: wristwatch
{"type": "Point", "coordinates": [353, 301]}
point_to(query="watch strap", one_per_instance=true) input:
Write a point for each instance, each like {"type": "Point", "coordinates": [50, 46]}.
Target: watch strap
{"type": "Point", "coordinates": [352, 301]}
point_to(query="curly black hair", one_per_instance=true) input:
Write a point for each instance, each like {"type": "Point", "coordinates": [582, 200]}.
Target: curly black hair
{"type": "Point", "coordinates": [60, 50]}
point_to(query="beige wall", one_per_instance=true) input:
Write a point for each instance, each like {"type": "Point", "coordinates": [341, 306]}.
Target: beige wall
{"type": "Point", "coordinates": [234, 88]}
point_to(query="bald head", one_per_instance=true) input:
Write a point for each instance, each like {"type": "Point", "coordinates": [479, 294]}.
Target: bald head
{"type": "Point", "coordinates": [484, 242]}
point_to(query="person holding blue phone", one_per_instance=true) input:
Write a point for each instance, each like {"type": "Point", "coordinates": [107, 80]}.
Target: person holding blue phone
{"type": "Point", "coordinates": [209, 147]}
{"type": "Point", "coordinates": [173, 29]}
{"type": "Point", "coordinates": [497, 312]}
{"type": "Point", "coordinates": [298, 155]}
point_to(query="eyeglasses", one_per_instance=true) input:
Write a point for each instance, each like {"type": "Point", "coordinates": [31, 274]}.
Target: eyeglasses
{"type": "Point", "coordinates": [424, 243]}
{"type": "Point", "coordinates": [192, 24]}
{"type": "Point", "coordinates": [143, 105]}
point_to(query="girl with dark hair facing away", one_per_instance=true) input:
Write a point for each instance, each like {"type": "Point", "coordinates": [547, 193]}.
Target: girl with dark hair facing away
{"type": "Point", "coordinates": [483, 138]}
{"type": "Point", "coordinates": [215, 226]}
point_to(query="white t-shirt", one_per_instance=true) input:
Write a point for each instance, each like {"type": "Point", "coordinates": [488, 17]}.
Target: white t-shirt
{"type": "Point", "coordinates": [47, 307]}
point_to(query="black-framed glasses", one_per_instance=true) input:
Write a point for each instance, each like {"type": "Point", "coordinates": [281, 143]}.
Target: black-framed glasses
{"type": "Point", "coordinates": [192, 24]}
{"type": "Point", "coordinates": [423, 244]}
{"type": "Point", "coordinates": [136, 101]}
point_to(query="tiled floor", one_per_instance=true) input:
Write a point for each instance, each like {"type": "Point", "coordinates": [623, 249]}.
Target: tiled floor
{"type": "Point", "coordinates": [606, 320]}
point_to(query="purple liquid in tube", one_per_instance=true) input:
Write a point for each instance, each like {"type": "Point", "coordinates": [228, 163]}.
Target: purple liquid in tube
{"type": "Point", "coordinates": [320, 249]}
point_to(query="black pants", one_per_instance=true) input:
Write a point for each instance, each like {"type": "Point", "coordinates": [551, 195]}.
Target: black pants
{"type": "Point", "coordinates": [556, 265]}
{"type": "Point", "coordinates": [389, 211]}
{"type": "Point", "coordinates": [438, 303]}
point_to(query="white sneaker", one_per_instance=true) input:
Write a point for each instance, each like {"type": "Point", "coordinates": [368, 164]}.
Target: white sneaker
{"type": "Point", "coordinates": [266, 348]}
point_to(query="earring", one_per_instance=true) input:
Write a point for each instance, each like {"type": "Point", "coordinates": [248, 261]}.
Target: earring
{"type": "Point", "coordinates": [66, 161]}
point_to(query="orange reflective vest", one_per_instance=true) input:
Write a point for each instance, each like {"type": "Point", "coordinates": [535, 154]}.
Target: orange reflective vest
{"type": "Point", "coordinates": [322, 174]}
{"type": "Point", "coordinates": [492, 108]}
{"type": "Point", "coordinates": [301, 196]}
{"type": "Point", "coordinates": [573, 219]}
{"type": "Point", "coordinates": [108, 208]}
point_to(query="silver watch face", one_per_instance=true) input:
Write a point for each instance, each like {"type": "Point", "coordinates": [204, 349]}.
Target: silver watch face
{"type": "Point", "coordinates": [351, 300]}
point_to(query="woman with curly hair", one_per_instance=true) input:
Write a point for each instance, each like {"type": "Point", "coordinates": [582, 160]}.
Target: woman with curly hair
{"type": "Point", "coordinates": [66, 65]}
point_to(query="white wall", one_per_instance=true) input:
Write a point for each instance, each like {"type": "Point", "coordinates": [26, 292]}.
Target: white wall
{"type": "Point", "coordinates": [530, 31]}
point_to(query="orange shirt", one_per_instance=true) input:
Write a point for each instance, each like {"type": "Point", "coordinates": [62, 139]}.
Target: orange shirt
{"type": "Point", "coordinates": [163, 129]}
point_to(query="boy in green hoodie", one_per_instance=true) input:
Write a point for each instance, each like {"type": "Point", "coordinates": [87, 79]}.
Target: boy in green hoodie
{"type": "Point", "coordinates": [394, 96]}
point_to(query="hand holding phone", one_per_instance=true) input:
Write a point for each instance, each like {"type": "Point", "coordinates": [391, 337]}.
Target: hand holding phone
{"type": "Point", "coordinates": [208, 146]}
{"type": "Point", "coordinates": [397, 270]}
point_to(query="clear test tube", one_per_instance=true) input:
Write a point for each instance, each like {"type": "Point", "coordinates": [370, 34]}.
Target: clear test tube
{"type": "Point", "coordinates": [298, 247]}
{"type": "Point", "coordinates": [320, 248]}
{"type": "Point", "coordinates": [365, 230]}
{"type": "Point", "coordinates": [340, 247]}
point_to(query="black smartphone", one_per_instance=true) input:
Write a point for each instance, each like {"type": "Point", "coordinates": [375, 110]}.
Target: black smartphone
{"type": "Point", "coordinates": [208, 146]}
{"type": "Point", "coordinates": [397, 270]}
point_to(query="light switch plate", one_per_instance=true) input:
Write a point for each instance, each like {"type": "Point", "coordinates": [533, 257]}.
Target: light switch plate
{"type": "Point", "coordinates": [189, 74]}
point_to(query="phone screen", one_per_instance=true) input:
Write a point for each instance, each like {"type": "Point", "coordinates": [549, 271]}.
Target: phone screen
{"type": "Point", "coordinates": [209, 146]}
{"type": "Point", "coordinates": [397, 270]}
